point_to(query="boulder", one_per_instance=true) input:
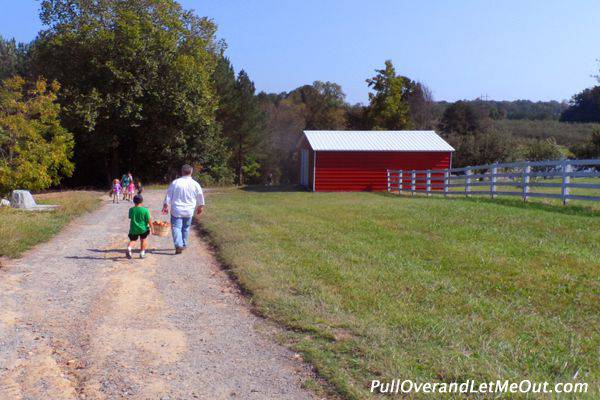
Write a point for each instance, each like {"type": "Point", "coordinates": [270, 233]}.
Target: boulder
{"type": "Point", "coordinates": [22, 199]}
{"type": "Point", "coordinates": [5, 203]}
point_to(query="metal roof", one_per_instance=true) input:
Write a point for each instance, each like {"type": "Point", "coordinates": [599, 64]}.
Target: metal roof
{"type": "Point", "coordinates": [376, 141]}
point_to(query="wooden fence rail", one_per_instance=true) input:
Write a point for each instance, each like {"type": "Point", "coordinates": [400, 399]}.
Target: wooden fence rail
{"type": "Point", "coordinates": [498, 179]}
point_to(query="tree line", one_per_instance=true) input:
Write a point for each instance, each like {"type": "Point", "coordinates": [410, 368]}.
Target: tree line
{"type": "Point", "coordinates": [146, 86]}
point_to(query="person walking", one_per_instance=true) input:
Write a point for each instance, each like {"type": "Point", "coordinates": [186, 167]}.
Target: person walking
{"type": "Point", "coordinates": [184, 197]}
{"type": "Point", "coordinates": [125, 179]}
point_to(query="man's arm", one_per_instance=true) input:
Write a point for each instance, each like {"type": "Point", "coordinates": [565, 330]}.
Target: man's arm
{"type": "Point", "coordinates": [199, 201]}
{"type": "Point", "coordinates": [168, 197]}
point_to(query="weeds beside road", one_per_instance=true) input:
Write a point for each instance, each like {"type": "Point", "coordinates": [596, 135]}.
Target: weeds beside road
{"type": "Point", "coordinates": [20, 230]}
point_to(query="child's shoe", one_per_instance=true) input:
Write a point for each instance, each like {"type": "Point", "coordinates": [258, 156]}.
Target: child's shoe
{"type": "Point", "coordinates": [143, 254]}
{"type": "Point", "coordinates": [128, 254]}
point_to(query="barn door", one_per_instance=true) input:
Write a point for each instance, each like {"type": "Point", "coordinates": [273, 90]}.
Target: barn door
{"type": "Point", "coordinates": [304, 167]}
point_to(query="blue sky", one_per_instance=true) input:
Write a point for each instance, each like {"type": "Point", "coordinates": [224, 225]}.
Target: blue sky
{"type": "Point", "coordinates": [538, 50]}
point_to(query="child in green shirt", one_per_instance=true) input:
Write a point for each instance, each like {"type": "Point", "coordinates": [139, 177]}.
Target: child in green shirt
{"type": "Point", "coordinates": [140, 225]}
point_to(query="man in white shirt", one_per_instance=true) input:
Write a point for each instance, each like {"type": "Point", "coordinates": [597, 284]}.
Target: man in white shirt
{"type": "Point", "coordinates": [185, 197]}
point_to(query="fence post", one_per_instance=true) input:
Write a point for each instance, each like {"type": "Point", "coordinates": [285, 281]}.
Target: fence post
{"type": "Point", "coordinates": [428, 183]}
{"type": "Point", "coordinates": [566, 179]}
{"type": "Point", "coordinates": [468, 182]}
{"type": "Point", "coordinates": [400, 183]}
{"type": "Point", "coordinates": [389, 184]}
{"type": "Point", "coordinates": [446, 182]}
{"type": "Point", "coordinates": [493, 172]}
{"type": "Point", "coordinates": [526, 172]}
{"type": "Point", "coordinates": [413, 178]}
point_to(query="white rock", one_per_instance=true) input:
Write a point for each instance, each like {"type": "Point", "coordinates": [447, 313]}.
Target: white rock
{"type": "Point", "coordinates": [22, 199]}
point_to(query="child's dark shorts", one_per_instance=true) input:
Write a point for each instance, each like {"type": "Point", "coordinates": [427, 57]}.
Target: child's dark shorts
{"type": "Point", "coordinates": [142, 236]}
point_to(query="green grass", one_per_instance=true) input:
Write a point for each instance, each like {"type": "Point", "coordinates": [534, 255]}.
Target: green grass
{"type": "Point", "coordinates": [21, 230]}
{"type": "Point", "coordinates": [376, 286]}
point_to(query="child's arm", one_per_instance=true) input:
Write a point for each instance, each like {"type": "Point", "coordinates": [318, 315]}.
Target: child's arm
{"type": "Point", "coordinates": [150, 223]}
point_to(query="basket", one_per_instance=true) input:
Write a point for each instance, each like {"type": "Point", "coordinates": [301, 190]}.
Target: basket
{"type": "Point", "coordinates": [160, 229]}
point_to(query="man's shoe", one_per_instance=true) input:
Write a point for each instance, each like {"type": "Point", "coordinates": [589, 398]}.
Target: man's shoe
{"type": "Point", "coordinates": [178, 250]}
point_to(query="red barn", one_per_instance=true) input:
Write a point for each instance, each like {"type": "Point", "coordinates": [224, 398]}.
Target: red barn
{"type": "Point", "coordinates": [359, 160]}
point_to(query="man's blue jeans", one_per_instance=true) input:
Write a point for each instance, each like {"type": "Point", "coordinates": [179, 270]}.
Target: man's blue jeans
{"type": "Point", "coordinates": [180, 228]}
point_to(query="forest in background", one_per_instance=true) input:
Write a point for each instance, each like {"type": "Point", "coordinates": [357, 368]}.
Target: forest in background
{"type": "Point", "coordinates": [146, 86]}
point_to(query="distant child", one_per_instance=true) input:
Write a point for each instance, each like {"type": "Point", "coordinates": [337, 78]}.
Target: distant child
{"type": "Point", "coordinates": [140, 225]}
{"type": "Point", "coordinates": [116, 191]}
{"type": "Point", "coordinates": [140, 188]}
{"type": "Point", "coordinates": [130, 190]}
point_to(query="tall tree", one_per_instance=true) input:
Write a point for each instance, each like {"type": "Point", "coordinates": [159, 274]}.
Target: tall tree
{"type": "Point", "coordinates": [285, 120]}
{"type": "Point", "coordinates": [13, 58]}
{"type": "Point", "coordinates": [225, 84]}
{"type": "Point", "coordinates": [34, 147]}
{"type": "Point", "coordinates": [420, 104]}
{"type": "Point", "coordinates": [138, 92]}
{"type": "Point", "coordinates": [247, 124]}
{"type": "Point", "coordinates": [388, 107]}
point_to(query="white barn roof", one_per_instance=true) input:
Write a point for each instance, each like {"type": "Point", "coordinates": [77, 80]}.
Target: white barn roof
{"type": "Point", "coordinates": [376, 141]}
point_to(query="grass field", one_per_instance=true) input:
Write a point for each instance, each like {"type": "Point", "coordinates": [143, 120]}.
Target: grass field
{"type": "Point", "coordinates": [376, 286]}
{"type": "Point", "coordinates": [20, 230]}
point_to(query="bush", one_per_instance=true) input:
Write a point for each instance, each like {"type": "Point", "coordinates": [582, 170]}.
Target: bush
{"type": "Point", "coordinates": [35, 149]}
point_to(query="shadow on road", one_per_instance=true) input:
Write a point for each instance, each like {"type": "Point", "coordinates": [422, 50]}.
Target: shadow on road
{"type": "Point", "coordinates": [121, 254]}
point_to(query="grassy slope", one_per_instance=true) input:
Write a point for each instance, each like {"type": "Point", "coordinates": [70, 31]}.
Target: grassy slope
{"type": "Point", "coordinates": [380, 286]}
{"type": "Point", "coordinates": [21, 230]}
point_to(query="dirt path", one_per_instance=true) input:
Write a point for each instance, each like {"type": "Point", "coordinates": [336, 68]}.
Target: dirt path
{"type": "Point", "coordinates": [80, 321]}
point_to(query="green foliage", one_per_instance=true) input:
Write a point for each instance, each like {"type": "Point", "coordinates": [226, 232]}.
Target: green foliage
{"type": "Point", "coordinates": [589, 149]}
{"type": "Point", "coordinates": [138, 92]}
{"type": "Point", "coordinates": [514, 110]}
{"type": "Point", "coordinates": [323, 103]}
{"type": "Point", "coordinates": [34, 147]}
{"type": "Point", "coordinates": [13, 58]}
{"type": "Point", "coordinates": [480, 148]}
{"type": "Point", "coordinates": [388, 108]}
{"type": "Point", "coordinates": [317, 106]}
{"type": "Point", "coordinates": [566, 134]}
{"type": "Point", "coordinates": [247, 124]}
{"type": "Point", "coordinates": [584, 107]}
{"type": "Point", "coordinates": [463, 118]}
{"type": "Point", "coordinates": [542, 150]}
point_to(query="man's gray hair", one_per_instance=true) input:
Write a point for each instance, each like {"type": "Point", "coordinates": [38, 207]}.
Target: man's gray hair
{"type": "Point", "coordinates": [186, 170]}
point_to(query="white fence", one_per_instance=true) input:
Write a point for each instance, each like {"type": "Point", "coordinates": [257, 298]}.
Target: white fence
{"type": "Point", "coordinates": [524, 179]}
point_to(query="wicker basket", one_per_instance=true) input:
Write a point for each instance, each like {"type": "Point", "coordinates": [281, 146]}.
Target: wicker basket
{"type": "Point", "coordinates": [161, 230]}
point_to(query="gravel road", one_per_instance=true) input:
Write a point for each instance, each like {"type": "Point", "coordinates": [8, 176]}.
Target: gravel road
{"type": "Point", "coordinates": [80, 321]}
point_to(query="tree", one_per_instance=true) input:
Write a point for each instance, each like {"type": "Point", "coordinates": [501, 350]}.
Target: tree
{"type": "Point", "coordinates": [34, 147]}
{"type": "Point", "coordinates": [388, 107]}
{"type": "Point", "coordinates": [284, 121]}
{"type": "Point", "coordinates": [480, 148]}
{"type": "Point", "coordinates": [420, 104]}
{"type": "Point", "coordinates": [589, 149]}
{"type": "Point", "coordinates": [463, 118]}
{"type": "Point", "coordinates": [542, 150]}
{"type": "Point", "coordinates": [324, 104]}
{"type": "Point", "coordinates": [137, 88]}
{"type": "Point", "coordinates": [13, 58]}
{"type": "Point", "coordinates": [247, 124]}
{"type": "Point", "coordinates": [225, 85]}
{"type": "Point", "coordinates": [584, 107]}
